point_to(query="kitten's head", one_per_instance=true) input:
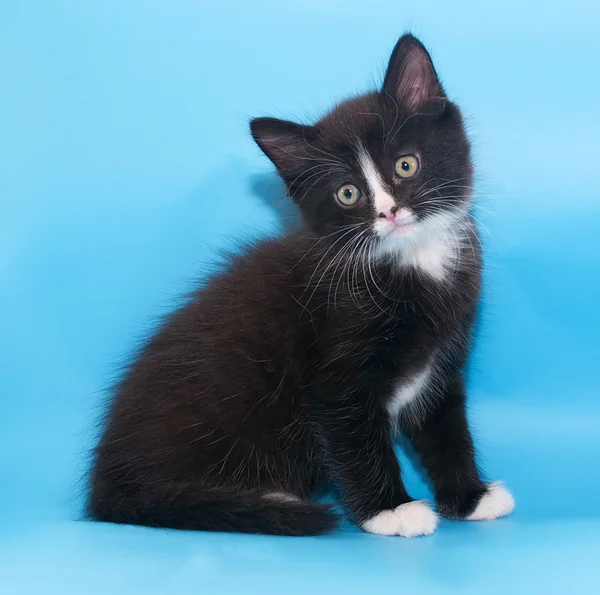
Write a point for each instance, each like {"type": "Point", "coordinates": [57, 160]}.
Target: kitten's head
{"type": "Point", "coordinates": [393, 165]}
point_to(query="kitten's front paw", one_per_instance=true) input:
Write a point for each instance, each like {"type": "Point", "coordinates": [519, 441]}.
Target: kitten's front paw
{"type": "Point", "coordinates": [407, 520]}
{"type": "Point", "coordinates": [496, 502]}
{"type": "Point", "coordinates": [483, 503]}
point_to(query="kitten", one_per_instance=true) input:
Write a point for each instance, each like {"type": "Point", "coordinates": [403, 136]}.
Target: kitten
{"type": "Point", "coordinates": [292, 371]}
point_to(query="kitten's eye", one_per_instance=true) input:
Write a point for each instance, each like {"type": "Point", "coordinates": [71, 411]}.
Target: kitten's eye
{"type": "Point", "coordinates": [407, 166]}
{"type": "Point", "coordinates": [348, 195]}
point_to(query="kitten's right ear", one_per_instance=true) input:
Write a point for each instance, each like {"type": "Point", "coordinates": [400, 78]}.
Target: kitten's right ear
{"type": "Point", "coordinates": [285, 143]}
{"type": "Point", "coordinates": [411, 78]}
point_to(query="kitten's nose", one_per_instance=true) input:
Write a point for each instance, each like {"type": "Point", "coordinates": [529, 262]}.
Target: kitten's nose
{"type": "Point", "coordinates": [390, 214]}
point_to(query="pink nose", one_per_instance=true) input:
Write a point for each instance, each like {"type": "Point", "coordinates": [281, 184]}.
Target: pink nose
{"type": "Point", "coordinates": [390, 215]}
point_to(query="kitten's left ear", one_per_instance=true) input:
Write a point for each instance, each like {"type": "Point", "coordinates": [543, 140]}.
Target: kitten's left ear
{"type": "Point", "coordinates": [411, 78]}
{"type": "Point", "coordinates": [285, 143]}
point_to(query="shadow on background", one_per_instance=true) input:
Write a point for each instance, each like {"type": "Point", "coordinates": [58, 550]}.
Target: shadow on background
{"type": "Point", "coordinates": [271, 190]}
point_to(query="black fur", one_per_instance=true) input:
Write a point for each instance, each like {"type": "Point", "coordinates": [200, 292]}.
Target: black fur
{"type": "Point", "coordinates": [276, 375]}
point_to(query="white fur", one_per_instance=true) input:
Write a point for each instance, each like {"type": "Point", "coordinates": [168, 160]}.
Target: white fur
{"type": "Point", "coordinates": [497, 502]}
{"type": "Point", "coordinates": [407, 391]}
{"type": "Point", "coordinates": [431, 245]}
{"type": "Point", "coordinates": [382, 199]}
{"type": "Point", "coordinates": [407, 520]}
{"type": "Point", "coordinates": [281, 497]}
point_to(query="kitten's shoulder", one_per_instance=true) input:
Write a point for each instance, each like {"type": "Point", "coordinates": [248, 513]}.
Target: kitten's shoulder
{"type": "Point", "coordinates": [268, 253]}
{"type": "Point", "coordinates": [260, 265]}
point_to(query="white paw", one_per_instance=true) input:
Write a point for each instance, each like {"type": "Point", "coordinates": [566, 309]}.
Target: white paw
{"type": "Point", "coordinates": [408, 520]}
{"type": "Point", "coordinates": [497, 502]}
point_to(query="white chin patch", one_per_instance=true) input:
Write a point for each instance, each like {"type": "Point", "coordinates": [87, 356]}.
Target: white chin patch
{"type": "Point", "coordinates": [407, 520]}
{"type": "Point", "coordinates": [496, 502]}
{"type": "Point", "coordinates": [431, 245]}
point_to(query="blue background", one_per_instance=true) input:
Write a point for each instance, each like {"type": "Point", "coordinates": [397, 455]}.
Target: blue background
{"type": "Point", "coordinates": [125, 161]}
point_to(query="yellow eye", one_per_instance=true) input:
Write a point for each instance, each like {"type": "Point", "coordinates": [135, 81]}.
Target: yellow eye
{"type": "Point", "coordinates": [407, 166]}
{"type": "Point", "coordinates": [348, 195]}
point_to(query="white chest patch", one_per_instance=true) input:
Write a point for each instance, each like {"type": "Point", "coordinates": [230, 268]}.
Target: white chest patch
{"type": "Point", "coordinates": [408, 391]}
{"type": "Point", "coordinates": [433, 257]}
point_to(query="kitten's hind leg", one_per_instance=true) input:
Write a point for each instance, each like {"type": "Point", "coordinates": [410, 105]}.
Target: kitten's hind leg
{"type": "Point", "coordinates": [444, 445]}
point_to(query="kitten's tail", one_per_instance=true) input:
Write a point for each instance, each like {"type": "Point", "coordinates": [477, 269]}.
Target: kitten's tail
{"type": "Point", "coordinates": [202, 509]}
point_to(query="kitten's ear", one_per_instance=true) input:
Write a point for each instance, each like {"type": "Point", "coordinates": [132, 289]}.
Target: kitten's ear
{"type": "Point", "coordinates": [411, 78]}
{"type": "Point", "coordinates": [285, 143]}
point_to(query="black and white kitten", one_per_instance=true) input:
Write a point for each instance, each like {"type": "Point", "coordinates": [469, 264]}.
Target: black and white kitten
{"type": "Point", "coordinates": [293, 371]}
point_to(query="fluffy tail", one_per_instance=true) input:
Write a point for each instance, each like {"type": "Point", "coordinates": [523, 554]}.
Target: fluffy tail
{"type": "Point", "coordinates": [193, 508]}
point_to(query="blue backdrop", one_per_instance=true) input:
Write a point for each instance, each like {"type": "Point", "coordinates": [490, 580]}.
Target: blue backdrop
{"type": "Point", "coordinates": [125, 161]}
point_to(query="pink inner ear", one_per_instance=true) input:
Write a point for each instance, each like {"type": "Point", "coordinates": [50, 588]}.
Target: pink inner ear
{"type": "Point", "coordinates": [418, 81]}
